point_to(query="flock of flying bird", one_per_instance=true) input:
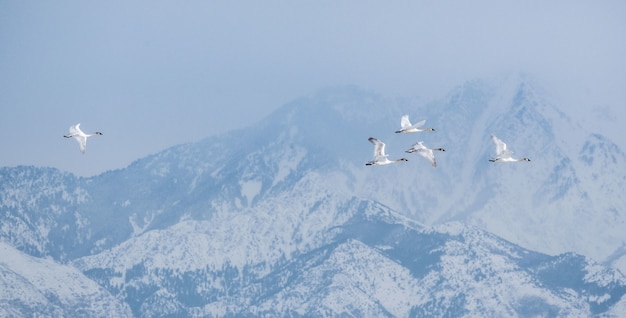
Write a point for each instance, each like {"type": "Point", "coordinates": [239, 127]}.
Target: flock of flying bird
{"type": "Point", "coordinates": [380, 157]}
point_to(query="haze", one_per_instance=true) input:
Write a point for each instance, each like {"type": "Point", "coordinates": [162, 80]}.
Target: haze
{"type": "Point", "coordinates": [152, 74]}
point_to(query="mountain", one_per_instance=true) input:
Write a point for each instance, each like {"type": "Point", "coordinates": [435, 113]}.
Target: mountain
{"type": "Point", "coordinates": [36, 287]}
{"type": "Point", "coordinates": [565, 199]}
{"type": "Point", "coordinates": [374, 263]}
{"type": "Point", "coordinates": [283, 218]}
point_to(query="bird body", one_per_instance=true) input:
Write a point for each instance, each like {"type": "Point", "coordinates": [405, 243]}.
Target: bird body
{"type": "Point", "coordinates": [425, 152]}
{"type": "Point", "coordinates": [380, 158]}
{"type": "Point", "coordinates": [80, 136]}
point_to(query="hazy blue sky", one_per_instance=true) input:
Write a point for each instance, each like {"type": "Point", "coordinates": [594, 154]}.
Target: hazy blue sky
{"type": "Point", "coordinates": [152, 74]}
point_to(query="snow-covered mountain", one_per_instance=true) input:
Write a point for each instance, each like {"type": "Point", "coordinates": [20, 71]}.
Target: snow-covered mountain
{"type": "Point", "coordinates": [566, 199]}
{"type": "Point", "coordinates": [374, 263]}
{"type": "Point", "coordinates": [36, 287]}
{"type": "Point", "coordinates": [283, 218]}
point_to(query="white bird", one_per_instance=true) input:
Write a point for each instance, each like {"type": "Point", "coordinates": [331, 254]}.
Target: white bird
{"type": "Point", "coordinates": [425, 152]}
{"type": "Point", "coordinates": [503, 154]}
{"type": "Point", "coordinates": [80, 136]}
{"type": "Point", "coordinates": [406, 126]}
{"type": "Point", "coordinates": [380, 158]}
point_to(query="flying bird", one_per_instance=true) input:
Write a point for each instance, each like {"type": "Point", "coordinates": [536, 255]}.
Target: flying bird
{"type": "Point", "coordinates": [425, 152]}
{"type": "Point", "coordinates": [502, 153]}
{"type": "Point", "coordinates": [80, 136]}
{"type": "Point", "coordinates": [406, 126]}
{"type": "Point", "coordinates": [380, 158]}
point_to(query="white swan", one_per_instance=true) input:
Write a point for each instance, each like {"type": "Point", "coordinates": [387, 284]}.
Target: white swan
{"type": "Point", "coordinates": [406, 126]}
{"type": "Point", "coordinates": [425, 152]}
{"type": "Point", "coordinates": [503, 154]}
{"type": "Point", "coordinates": [80, 136]}
{"type": "Point", "coordinates": [380, 158]}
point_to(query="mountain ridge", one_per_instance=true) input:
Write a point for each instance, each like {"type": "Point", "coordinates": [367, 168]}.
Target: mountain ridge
{"type": "Point", "coordinates": [243, 222]}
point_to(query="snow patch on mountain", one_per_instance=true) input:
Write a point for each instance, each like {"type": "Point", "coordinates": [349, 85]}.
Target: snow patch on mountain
{"type": "Point", "coordinates": [353, 290]}
{"type": "Point", "coordinates": [250, 189]}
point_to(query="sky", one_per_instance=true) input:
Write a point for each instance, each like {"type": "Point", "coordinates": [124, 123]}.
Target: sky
{"type": "Point", "coordinates": [153, 74]}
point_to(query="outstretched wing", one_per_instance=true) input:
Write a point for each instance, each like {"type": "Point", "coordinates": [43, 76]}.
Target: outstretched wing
{"type": "Point", "coordinates": [75, 129]}
{"type": "Point", "coordinates": [419, 123]}
{"type": "Point", "coordinates": [404, 122]}
{"type": "Point", "coordinates": [82, 143]}
{"type": "Point", "coordinates": [429, 155]}
{"type": "Point", "coordinates": [501, 150]}
{"type": "Point", "coordinates": [379, 148]}
{"type": "Point", "coordinates": [416, 147]}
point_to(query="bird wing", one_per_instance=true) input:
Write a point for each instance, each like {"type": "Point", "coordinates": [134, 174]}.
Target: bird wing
{"type": "Point", "coordinates": [416, 147]}
{"type": "Point", "coordinates": [429, 155]}
{"type": "Point", "coordinates": [419, 123]}
{"type": "Point", "coordinates": [75, 129]}
{"type": "Point", "coordinates": [82, 142]}
{"type": "Point", "coordinates": [501, 150]}
{"type": "Point", "coordinates": [404, 122]}
{"type": "Point", "coordinates": [379, 148]}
